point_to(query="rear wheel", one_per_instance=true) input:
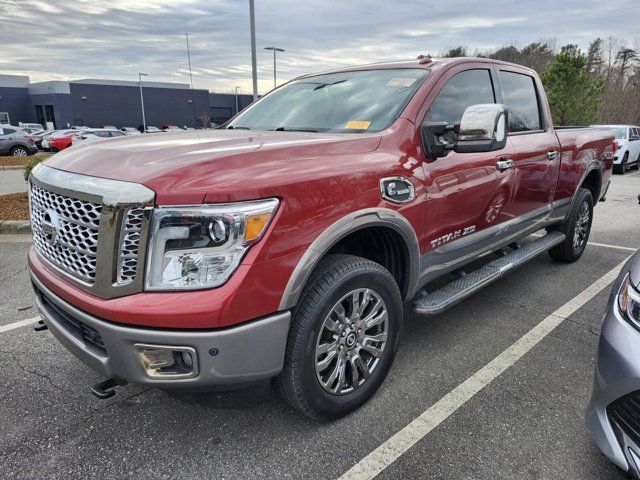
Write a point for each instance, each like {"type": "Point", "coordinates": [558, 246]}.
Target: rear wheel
{"type": "Point", "coordinates": [576, 228]}
{"type": "Point", "coordinates": [19, 151]}
{"type": "Point", "coordinates": [343, 337]}
{"type": "Point", "coordinates": [623, 165]}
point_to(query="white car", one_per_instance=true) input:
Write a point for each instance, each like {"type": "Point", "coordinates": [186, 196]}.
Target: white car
{"type": "Point", "coordinates": [94, 134]}
{"type": "Point", "coordinates": [130, 131]}
{"type": "Point", "coordinates": [31, 126]}
{"type": "Point", "coordinates": [628, 151]}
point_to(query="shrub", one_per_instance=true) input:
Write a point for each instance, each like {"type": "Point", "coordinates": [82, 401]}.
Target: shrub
{"type": "Point", "coordinates": [32, 162]}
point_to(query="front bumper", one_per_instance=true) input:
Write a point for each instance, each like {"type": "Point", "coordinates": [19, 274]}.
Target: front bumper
{"type": "Point", "coordinates": [249, 352]}
{"type": "Point", "coordinates": [617, 375]}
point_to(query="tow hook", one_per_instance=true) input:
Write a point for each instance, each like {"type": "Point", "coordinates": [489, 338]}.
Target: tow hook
{"type": "Point", "coordinates": [106, 388]}
{"type": "Point", "coordinates": [39, 326]}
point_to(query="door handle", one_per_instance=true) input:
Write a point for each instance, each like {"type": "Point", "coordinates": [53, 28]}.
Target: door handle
{"type": "Point", "coordinates": [552, 155]}
{"type": "Point", "coordinates": [503, 165]}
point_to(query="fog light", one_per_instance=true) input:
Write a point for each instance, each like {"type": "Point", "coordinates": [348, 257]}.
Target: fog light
{"type": "Point", "coordinates": [164, 362]}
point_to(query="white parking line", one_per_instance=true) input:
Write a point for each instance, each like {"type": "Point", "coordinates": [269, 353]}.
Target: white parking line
{"type": "Point", "coordinates": [617, 247]}
{"type": "Point", "coordinates": [21, 323]}
{"type": "Point", "coordinates": [383, 456]}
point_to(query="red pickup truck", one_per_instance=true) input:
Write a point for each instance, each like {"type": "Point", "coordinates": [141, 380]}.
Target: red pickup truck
{"type": "Point", "coordinates": [287, 243]}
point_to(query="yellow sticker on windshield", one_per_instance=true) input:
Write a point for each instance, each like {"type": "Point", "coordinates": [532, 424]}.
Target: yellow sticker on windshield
{"type": "Point", "coordinates": [357, 125]}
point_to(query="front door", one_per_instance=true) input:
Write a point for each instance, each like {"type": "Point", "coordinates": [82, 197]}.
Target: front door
{"type": "Point", "coordinates": [466, 192]}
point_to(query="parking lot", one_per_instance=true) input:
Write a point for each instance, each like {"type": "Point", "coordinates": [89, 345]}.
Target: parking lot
{"type": "Point", "coordinates": [525, 421]}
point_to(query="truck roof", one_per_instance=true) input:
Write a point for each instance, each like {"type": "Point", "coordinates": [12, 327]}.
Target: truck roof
{"type": "Point", "coordinates": [424, 63]}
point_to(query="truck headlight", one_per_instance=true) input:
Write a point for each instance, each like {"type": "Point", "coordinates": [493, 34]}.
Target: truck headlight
{"type": "Point", "coordinates": [200, 247]}
{"type": "Point", "coordinates": [629, 301]}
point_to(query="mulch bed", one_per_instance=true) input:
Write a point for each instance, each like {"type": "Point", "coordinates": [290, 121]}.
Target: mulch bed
{"type": "Point", "coordinates": [9, 160]}
{"type": "Point", "coordinates": [14, 206]}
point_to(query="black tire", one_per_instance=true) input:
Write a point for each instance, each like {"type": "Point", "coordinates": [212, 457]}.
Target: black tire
{"type": "Point", "coordinates": [568, 251]}
{"type": "Point", "coordinates": [338, 276]}
{"type": "Point", "coordinates": [19, 151]}
{"type": "Point", "coordinates": [623, 165]}
{"type": "Point", "coordinates": [637, 165]}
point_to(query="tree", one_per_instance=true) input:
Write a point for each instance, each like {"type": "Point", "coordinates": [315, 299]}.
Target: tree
{"type": "Point", "coordinates": [594, 57]}
{"type": "Point", "coordinates": [573, 95]}
{"type": "Point", "coordinates": [456, 52]}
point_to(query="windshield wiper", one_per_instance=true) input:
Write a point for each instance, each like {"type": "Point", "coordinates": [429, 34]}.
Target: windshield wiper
{"type": "Point", "coordinates": [286, 129]}
{"type": "Point", "coordinates": [322, 85]}
{"type": "Point", "coordinates": [231, 127]}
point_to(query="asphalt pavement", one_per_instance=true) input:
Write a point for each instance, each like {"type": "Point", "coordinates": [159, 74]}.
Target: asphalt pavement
{"type": "Point", "coordinates": [526, 423]}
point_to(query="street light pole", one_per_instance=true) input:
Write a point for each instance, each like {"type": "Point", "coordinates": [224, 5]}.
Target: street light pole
{"type": "Point", "coordinates": [193, 103]}
{"type": "Point", "coordinates": [275, 49]}
{"type": "Point", "coordinates": [237, 99]}
{"type": "Point", "coordinates": [144, 121]}
{"type": "Point", "coordinates": [254, 70]}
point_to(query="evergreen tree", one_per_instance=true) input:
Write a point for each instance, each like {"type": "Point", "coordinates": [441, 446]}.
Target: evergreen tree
{"type": "Point", "coordinates": [573, 95]}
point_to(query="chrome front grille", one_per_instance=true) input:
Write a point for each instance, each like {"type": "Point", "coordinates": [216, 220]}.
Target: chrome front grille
{"type": "Point", "coordinates": [92, 230]}
{"type": "Point", "coordinates": [130, 245]}
{"type": "Point", "coordinates": [65, 231]}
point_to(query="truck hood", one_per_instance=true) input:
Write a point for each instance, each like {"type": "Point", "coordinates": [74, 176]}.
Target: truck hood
{"type": "Point", "coordinates": [183, 167]}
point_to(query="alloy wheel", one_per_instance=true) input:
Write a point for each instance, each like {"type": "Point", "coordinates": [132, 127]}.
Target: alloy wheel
{"type": "Point", "coordinates": [581, 229]}
{"type": "Point", "coordinates": [351, 342]}
{"type": "Point", "coordinates": [19, 152]}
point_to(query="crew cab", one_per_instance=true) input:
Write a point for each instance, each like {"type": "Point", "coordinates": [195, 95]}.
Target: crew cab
{"type": "Point", "coordinates": [286, 243]}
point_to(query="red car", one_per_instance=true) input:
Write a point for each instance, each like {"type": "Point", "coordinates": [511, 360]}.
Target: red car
{"type": "Point", "coordinates": [287, 244]}
{"type": "Point", "coordinates": [60, 141]}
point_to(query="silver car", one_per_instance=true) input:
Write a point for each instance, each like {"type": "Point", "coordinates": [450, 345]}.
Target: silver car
{"type": "Point", "coordinates": [613, 416]}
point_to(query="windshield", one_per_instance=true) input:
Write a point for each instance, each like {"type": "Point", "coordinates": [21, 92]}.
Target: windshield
{"type": "Point", "coordinates": [351, 102]}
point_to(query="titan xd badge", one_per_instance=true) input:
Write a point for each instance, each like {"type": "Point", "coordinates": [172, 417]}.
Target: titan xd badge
{"type": "Point", "coordinates": [396, 189]}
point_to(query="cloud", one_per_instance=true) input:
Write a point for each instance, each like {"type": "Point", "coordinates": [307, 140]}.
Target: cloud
{"type": "Point", "coordinates": [49, 39]}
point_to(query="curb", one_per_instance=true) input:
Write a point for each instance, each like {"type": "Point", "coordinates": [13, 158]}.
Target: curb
{"type": "Point", "coordinates": [12, 167]}
{"type": "Point", "coordinates": [15, 226]}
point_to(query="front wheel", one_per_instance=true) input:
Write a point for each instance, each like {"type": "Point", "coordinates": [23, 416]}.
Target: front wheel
{"type": "Point", "coordinates": [343, 337]}
{"type": "Point", "coordinates": [576, 228]}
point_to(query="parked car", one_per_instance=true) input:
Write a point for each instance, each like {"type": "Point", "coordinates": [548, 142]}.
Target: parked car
{"type": "Point", "coordinates": [628, 147]}
{"type": "Point", "coordinates": [109, 127]}
{"type": "Point", "coordinates": [32, 126]}
{"type": "Point", "coordinates": [286, 244]}
{"type": "Point", "coordinates": [14, 142]}
{"type": "Point", "coordinates": [152, 129]}
{"type": "Point", "coordinates": [613, 415]}
{"type": "Point", "coordinates": [37, 137]}
{"type": "Point", "coordinates": [60, 140]}
{"type": "Point", "coordinates": [130, 131]}
{"type": "Point", "coordinates": [171, 128]}
{"type": "Point", "coordinates": [95, 134]}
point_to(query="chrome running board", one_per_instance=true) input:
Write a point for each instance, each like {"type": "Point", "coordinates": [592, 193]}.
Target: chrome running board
{"type": "Point", "coordinates": [454, 292]}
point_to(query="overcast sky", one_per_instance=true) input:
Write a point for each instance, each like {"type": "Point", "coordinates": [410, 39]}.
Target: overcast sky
{"type": "Point", "coordinates": [116, 39]}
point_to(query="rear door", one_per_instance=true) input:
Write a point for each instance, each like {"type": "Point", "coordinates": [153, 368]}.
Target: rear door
{"type": "Point", "coordinates": [535, 145]}
{"type": "Point", "coordinates": [465, 191]}
{"type": "Point", "coordinates": [4, 141]}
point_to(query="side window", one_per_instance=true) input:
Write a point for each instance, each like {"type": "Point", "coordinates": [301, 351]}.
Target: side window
{"type": "Point", "coordinates": [467, 88]}
{"type": "Point", "coordinates": [520, 96]}
{"type": "Point", "coordinates": [9, 131]}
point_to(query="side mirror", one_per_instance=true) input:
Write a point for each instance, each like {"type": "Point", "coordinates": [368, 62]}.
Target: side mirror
{"type": "Point", "coordinates": [483, 128]}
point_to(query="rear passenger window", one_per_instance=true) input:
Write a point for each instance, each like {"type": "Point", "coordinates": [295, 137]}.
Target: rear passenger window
{"type": "Point", "coordinates": [9, 131]}
{"type": "Point", "coordinates": [520, 96]}
{"type": "Point", "coordinates": [467, 88]}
